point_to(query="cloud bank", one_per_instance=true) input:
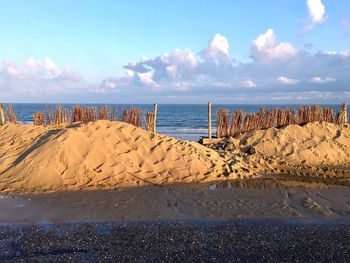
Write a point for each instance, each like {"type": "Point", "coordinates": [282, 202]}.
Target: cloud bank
{"type": "Point", "coordinates": [277, 72]}
{"type": "Point", "coordinates": [36, 78]}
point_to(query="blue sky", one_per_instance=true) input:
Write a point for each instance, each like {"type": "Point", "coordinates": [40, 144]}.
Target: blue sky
{"type": "Point", "coordinates": [171, 51]}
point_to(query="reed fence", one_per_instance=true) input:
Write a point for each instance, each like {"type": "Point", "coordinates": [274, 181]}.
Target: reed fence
{"type": "Point", "coordinates": [39, 118]}
{"type": "Point", "coordinates": [11, 116]}
{"type": "Point", "coordinates": [7, 114]}
{"type": "Point", "coordinates": [77, 113]}
{"type": "Point", "coordinates": [244, 122]}
{"type": "Point", "coordinates": [150, 121]}
{"type": "Point", "coordinates": [132, 116]}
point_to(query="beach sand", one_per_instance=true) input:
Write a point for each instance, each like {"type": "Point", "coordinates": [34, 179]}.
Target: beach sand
{"type": "Point", "coordinates": [109, 155]}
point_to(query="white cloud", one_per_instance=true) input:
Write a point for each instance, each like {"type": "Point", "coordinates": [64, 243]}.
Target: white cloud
{"type": "Point", "coordinates": [320, 80]}
{"type": "Point", "coordinates": [302, 96]}
{"type": "Point", "coordinates": [219, 44]}
{"type": "Point", "coordinates": [248, 83]}
{"type": "Point", "coordinates": [69, 74]}
{"type": "Point", "coordinates": [178, 64]}
{"type": "Point", "coordinates": [217, 50]}
{"type": "Point", "coordinates": [287, 81]}
{"type": "Point", "coordinates": [47, 66]}
{"type": "Point", "coordinates": [110, 84]}
{"type": "Point", "coordinates": [147, 79]}
{"type": "Point", "coordinates": [343, 53]}
{"type": "Point", "coordinates": [32, 63]}
{"type": "Point", "coordinates": [178, 69]}
{"type": "Point", "coordinates": [265, 48]}
{"type": "Point", "coordinates": [115, 84]}
{"type": "Point", "coordinates": [181, 86]}
{"type": "Point", "coordinates": [12, 69]}
{"type": "Point", "coordinates": [330, 53]}
{"type": "Point", "coordinates": [221, 84]}
{"type": "Point", "coordinates": [51, 66]}
{"type": "Point", "coordinates": [317, 12]}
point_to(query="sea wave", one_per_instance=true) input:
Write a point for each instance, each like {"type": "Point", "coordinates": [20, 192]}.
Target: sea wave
{"type": "Point", "coordinates": [173, 130]}
{"type": "Point", "coordinates": [191, 129]}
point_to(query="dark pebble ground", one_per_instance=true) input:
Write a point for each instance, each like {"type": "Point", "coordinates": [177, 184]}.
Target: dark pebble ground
{"type": "Point", "coordinates": [178, 241]}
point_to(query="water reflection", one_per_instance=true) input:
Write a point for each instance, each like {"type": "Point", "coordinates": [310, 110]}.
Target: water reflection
{"type": "Point", "coordinates": [275, 183]}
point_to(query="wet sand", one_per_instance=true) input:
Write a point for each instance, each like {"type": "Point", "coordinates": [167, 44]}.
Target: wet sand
{"type": "Point", "coordinates": [254, 198]}
{"type": "Point", "coordinates": [179, 241]}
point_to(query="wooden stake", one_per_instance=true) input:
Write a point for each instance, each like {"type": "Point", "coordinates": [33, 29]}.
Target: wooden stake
{"type": "Point", "coordinates": [2, 114]}
{"type": "Point", "coordinates": [155, 117]}
{"type": "Point", "coordinates": [209, 120]}
{"type": "Point", "coordinates": [344, 109]}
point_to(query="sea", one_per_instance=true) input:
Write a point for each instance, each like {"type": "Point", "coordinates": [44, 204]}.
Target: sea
{"type": "Point", "coordinates": [184, 121]}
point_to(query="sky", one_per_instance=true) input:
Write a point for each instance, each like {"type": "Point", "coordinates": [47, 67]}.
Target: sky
{"type": "Point", "coordinates": [224, 51]}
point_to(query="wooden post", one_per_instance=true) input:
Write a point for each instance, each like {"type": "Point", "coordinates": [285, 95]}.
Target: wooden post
{"type": "Point", "coordinates": [2, 114]}
{"type": "Point", "coordinates": [155, 117]}
{"type": "Point", "coordinates": [209, 120]}
{"type": "Point", "coordinates": [345, 111]}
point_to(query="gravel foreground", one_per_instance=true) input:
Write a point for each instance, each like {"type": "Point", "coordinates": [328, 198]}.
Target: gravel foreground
{"type": "Point", "coordinates": [178, 241]}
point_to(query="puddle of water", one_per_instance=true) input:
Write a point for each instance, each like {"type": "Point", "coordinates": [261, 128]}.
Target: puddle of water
{"type": "Point", "coordinates": [9, 201]}
{"type": "Point", "coordinates": [274, 183]}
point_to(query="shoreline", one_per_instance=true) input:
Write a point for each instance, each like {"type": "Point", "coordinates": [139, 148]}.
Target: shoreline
{"type": "Point", "coordinates": [179, 222]}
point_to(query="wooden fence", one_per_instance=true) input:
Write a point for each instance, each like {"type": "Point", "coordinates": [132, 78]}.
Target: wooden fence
{"type": "Point", "coordinates": [7, 115]}
{"type": "Point", "coordinates": [264, 119]}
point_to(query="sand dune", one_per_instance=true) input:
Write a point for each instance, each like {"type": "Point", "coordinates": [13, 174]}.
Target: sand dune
{"type": "Point", "coordinates": [98, 155]}
{"type": "Point", "coordinates": [314, 143]}
{"type": "Point", "coordinates": [314, 150]}
{"type": "Point", "coordinates": [107, 155]}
